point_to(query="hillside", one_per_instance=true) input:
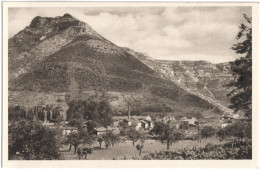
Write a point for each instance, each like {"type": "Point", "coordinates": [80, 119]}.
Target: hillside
{"type": "Point", "coordinates": [200, 78]}
{"type": "Point", "coordinates": [64, 58]}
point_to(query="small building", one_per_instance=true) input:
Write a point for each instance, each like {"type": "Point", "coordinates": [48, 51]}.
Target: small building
{"type": "Point", "coordinates": [165, 119]}
{"type": "Point", "coordinates": [184, 124]}
{"type": "Point", "coordinates": [101, 130]}
{"type": "Point", "coordinates": [128, 122]}
{"type": "Point", "coordinates": [202, 125]}
{"type": "Point", "coordinates": [225, 125]}
{"type": "Point", "coordinates": [136, 124]}
{"type": "Point", "coordinates": [150, 124]}
{"type": "Point", "coordinates": [169, 119]}
{"type": "Point", "coordinates": [145, 124]}
{"type": "Point", "coordinates": [68, 130]}
{"type": "Point", "coordinates": [193, 120]}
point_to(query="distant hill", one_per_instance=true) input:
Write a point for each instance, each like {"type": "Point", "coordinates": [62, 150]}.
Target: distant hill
{"type": "Point", "coordinates": [64, 58]}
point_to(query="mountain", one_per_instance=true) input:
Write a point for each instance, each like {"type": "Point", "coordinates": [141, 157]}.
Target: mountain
{"type": "Point", "coordinates": [54, 60]}
{"type": "Point", "coordinates": [202, 78]}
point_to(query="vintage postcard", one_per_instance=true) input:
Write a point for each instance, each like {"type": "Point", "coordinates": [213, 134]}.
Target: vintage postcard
{"type": "Point", "coordinates": [116, 84]}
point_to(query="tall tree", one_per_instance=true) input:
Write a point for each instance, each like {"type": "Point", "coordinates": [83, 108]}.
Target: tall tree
{"type": "Point", "coordinates": [241, 94]}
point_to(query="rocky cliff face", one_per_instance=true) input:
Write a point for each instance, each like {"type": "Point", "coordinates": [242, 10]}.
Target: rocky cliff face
{"type": "Point", "coordinates": [64, 58]}
{"type": "Point", "coordinates": [41, 38]}
{"type": "Point", "coordinates": [201, 78]}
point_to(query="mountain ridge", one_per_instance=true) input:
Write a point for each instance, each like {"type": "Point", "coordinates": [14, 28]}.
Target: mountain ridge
{"type": "Point", "coordinates": [67, 56]}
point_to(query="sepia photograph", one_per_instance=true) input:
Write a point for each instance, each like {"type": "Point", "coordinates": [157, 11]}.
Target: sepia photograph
{"type": "Point", "coordinates": [129, 81]}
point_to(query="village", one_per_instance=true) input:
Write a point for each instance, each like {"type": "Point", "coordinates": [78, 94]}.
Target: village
{"type": "Point", "coordinates": [145, 124]}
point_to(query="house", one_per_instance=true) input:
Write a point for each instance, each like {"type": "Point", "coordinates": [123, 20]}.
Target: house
{"type": "Point", "coordinates": [128, 122]}
{"type": "Point", "coordinates": [145, 124]}
{"type": "Point", "coordinates": [184, 124]}
{"type": "Point", "coordinates": [68, 130]}
{"type": "Point", "coordinates": [166, 119]}
{"type": "Point", "coordinates": [169, 119]}
{"type": "Point", "coordinates": [150, 124]}
{"type": "Point", "coordinates": [225, 125]}
{"type": "Point", "coordinates": [115, 130]}
{"type": "Point", "coordinates": [138, 122]}
{"type": "Point", "coordinates": [192, 120]}
{"type": "Point", "coordinates": [100, 131]}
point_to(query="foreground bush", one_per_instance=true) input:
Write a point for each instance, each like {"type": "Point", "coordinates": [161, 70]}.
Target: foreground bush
{"type": "Point", "coordinates": [29, 140]}
{"type": "Point", "coordinates": [235, 150]}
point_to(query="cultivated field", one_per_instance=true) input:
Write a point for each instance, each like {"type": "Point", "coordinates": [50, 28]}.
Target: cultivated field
{"type": "Point", "coordinates": [128, 149]}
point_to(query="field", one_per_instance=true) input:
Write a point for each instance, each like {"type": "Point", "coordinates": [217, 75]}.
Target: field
{"type": "Point", "coordinates": [127, 149]}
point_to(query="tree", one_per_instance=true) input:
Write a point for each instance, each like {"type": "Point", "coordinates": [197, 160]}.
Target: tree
{"type": "Point", "coordinates": [207, 131]}
{"type": "Point", "coordinates": [98, 111]}
{"type": "Point", "coordinates": [80, 137]}
{"type": "Point", "coordinates": [87, 151]}
{"type": "Point", "coordinates": [240, 130]}
{"type": "Point", "coordinates": [33, 141]}
{"type": "Point", "coordinates": [115, 139]}
{"type": "Point", "coordinates": [241, 94]}
{"type": "Point", "coordinates": [168, 134]}
{"type": "Point", "coordinates": [16, 113]}
{"type": "Point", "coordinates": [140, 146]}
{"type": "Point", "coordinates": [133, 135]}
{"type": "Point", "coordinates": [158, 126]}
{"type": "Point", "coordinates": [100, 141]}
{"type": "Point", "coordinates": [222, 134]}
{"type": "Point", "coordinates": [110, 139]}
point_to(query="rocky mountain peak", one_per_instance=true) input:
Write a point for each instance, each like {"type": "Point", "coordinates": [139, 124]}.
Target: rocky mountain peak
{"type": "Point", "coordinates": [66, 15]}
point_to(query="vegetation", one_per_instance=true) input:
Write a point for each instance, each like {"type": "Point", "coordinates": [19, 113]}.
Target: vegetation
{"type": "Point", "coordinates": [239, 130]}
{"type": "Point", "coordinates": [30, 140]}
{"type": "Point", "coordinates": [241, 94]}
{"type": "Point", "coordinates": [99, 112]}
{"type": "Point", "coordinates": [133, 135]}
{"type": "Point", "coordinates": [110, 139]}
{"type": "Point", "coordinates": [140, 146]}
{"type": "Point", "coordinates": [179, 95]}
{"type": "Point", "coordinates": [80, 137]}
{"type": "Point", "coordinates": [234, 150]}
{"type": "Point", "coordinates": [84, 152]}
{"type": "Point", "coordinates": [167, 133]}
{"type": "Point", "coordinates": [207, 132]}
{"type": "Point", "coordinates": [16, 113]}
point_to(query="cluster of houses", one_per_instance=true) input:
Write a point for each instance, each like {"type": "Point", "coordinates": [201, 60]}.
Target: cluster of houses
{"type": "Point", "coordinates": [136, 122]}
{"type": "Point", "coordinates": [145, 123]}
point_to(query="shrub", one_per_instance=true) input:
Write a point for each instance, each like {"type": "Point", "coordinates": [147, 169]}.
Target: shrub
{"type": "Point", "coordinates": [234, 150]}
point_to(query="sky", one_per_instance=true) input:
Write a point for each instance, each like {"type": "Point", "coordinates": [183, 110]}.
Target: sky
{"type": "Point", "coordinates": [164, 33]}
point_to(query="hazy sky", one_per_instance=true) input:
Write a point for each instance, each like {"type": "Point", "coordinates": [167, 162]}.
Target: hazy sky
{"type": "Point", "coordinates": [174, 33]}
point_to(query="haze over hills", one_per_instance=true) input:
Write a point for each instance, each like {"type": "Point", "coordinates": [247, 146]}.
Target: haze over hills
{"type": "Point", "coordinates": [64, 58]}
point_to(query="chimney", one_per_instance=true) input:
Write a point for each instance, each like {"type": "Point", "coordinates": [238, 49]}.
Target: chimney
{"type": "Point", "coordinates": [128, 112]}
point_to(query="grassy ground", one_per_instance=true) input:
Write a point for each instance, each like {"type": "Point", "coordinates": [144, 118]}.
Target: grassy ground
{"type": "Point", "coordinates": [128, 149]}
